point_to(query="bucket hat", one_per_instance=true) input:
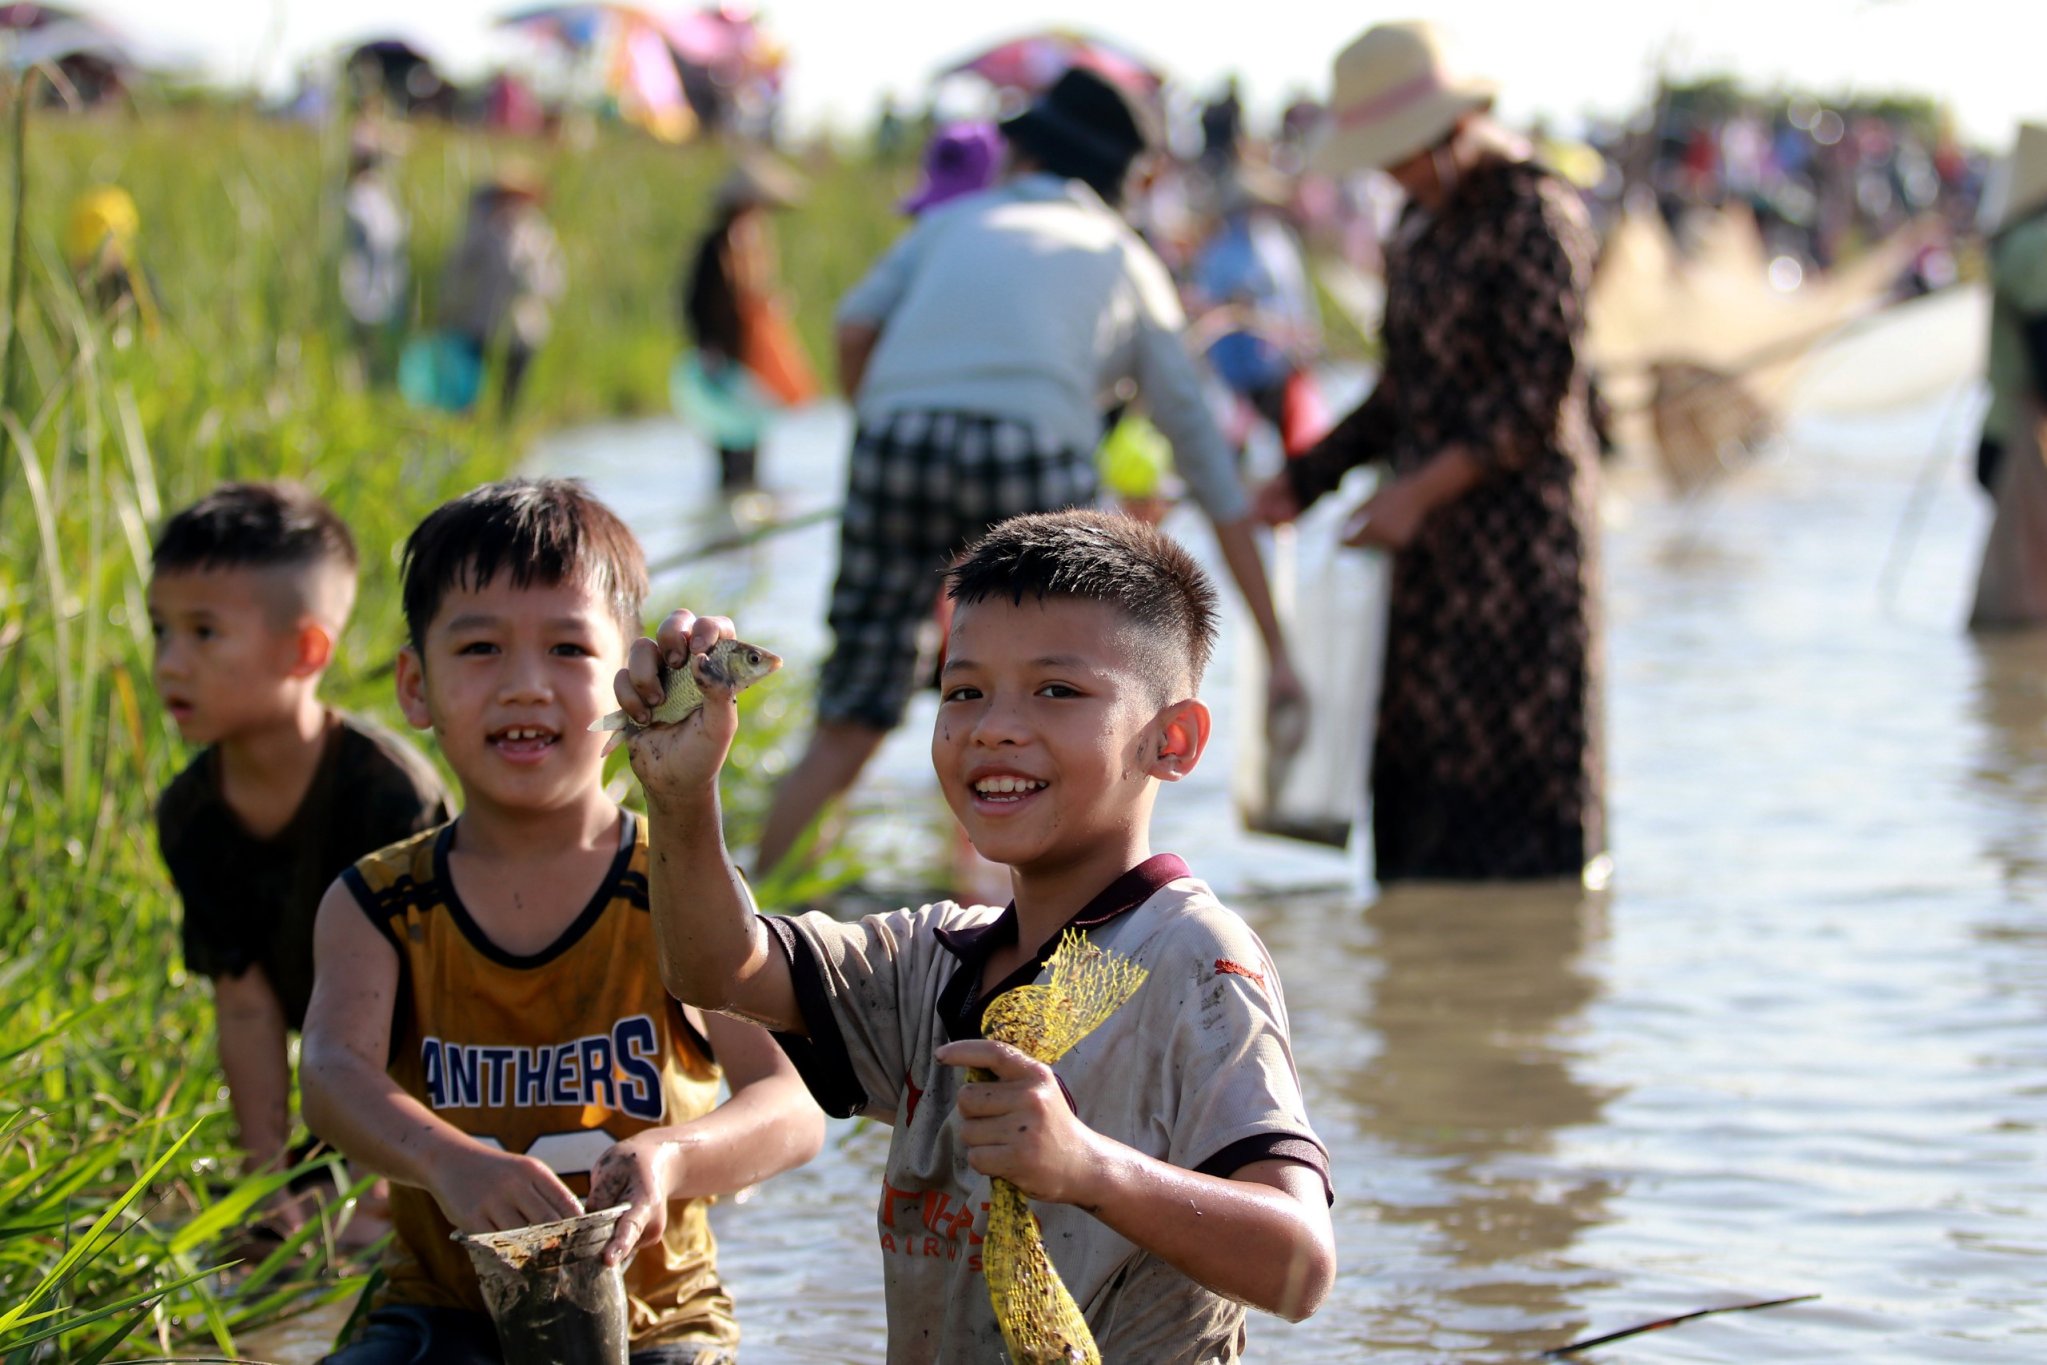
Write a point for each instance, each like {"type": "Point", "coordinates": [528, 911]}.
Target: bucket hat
{"type": "Point", "coordinates": [2025, 186]}
{"type": "Point", "coordinates": [1083, 126]}
{"type": "Point", "coordinates": [962, 158]}
{"type": "Point", "coordinates": [1394, 94]}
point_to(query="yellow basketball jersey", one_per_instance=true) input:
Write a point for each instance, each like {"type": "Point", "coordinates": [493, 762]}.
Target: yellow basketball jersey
{"type": "Point", "coordinates": [555, 1055]}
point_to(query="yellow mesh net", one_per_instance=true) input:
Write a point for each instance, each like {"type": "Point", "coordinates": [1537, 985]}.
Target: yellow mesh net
{"type": "Point", "coordinates": [1040, 1321]}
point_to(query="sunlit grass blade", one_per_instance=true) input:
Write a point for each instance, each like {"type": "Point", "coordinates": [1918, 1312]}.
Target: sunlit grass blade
{"type": "Point", "coordinates": [89, 1243]}
{"type": "Point", "coordinates": [59, 1322]}
{"type": "Point", "coordinates": [237, 1206]}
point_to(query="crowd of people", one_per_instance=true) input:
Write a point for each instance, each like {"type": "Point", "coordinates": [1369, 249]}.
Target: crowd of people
{"type": "Point", "coordinates": [528, 1008]}
{"type": "Point", "coordinates": [1820, 181]}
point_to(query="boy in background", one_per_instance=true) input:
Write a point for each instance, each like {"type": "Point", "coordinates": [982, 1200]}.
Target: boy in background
{"type": "Point", "coordinates": [249, 592]}
{"type": "Point", "coordinates": [1174, 1173]}
{"type": "Point", "coordinates": [487, 1027]}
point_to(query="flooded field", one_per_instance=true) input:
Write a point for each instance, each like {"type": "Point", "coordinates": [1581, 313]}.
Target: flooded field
{"type": "Point", "coordinates": [1799, 1047]}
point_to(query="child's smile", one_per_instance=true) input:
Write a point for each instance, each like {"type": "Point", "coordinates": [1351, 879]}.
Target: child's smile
{"type": "Point", "coordinates": [512, 678]}
{"type": "Point", "coordinates": [999, 790]}
{"type": "Point", "coordinates": [524, 743]}
{"type": "Point", "coordinates": [1041, 732]}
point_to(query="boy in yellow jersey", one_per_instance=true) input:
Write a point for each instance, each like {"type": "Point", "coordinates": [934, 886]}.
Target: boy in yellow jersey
{"type": "Point", "coordinates": [487, 1026]}
{"type": "Point", "coordinates": [1170, 1163]}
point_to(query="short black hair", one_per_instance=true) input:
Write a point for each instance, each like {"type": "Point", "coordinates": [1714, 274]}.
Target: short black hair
{"type": "Point", "coordinates": [277, 525]}
{"type": "Point", "coordinates": [542, 532]}
{"type": "Point", "coordinates": [1098, 557]}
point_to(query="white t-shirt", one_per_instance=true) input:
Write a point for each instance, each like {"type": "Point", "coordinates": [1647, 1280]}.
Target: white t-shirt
{"type": "Point", "coordinates": [1194, 1069]}
{"type": "Point", "coordinates": [1034, 301]}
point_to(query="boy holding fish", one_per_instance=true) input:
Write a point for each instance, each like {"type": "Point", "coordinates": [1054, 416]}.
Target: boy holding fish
{"type": "Point", "coordinates": [1174, 1174]}
{"type": "Point", "coordinates": [486, 1028]}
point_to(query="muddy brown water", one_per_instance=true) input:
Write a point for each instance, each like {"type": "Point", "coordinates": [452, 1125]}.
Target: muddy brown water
{"type": "Point", "coordinates": [1800, 1046]}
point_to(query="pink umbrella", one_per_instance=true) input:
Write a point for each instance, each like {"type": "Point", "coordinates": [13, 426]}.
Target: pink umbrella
{"type": "Point", "coordinates": [1033, 61]}
{"type": "Point", "coordinates": [720, 36]}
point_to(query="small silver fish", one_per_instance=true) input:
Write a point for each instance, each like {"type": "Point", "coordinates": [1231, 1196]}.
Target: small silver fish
{"type": "Point", "coordinates": [732, 662]}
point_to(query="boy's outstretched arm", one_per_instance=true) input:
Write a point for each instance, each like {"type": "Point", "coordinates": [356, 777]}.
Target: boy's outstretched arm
{"type": "Point", "coordinates": [1261, 1236]}
{"type": "Point", "coordinates": [715, 953]}
{"type": "Point", "coordinates": [769, 1125]}
{"type": "Point", "coordinates": [353, 1103]}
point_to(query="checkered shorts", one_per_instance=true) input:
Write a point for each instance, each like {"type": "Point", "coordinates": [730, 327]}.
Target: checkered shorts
{"type": "Point", "coordinates": [922, 486]}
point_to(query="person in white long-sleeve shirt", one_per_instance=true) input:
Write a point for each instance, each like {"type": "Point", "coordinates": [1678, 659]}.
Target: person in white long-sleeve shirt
{"type": "Point", "coordinates": [980, 353]}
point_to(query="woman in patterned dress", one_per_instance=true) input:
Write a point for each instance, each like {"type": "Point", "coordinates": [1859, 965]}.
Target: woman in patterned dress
{"type": "Point", "coordinates": [1487, 763]}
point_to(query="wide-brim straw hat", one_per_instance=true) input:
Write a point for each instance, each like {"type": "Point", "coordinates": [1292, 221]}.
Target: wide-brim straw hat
{"type": "Point", "coordinates": [757, 179]}
{"type": "Point", "coordinates": [2025, 192]}
{"type": "Point", "coordinates": [517, 179]}
{"type": "Point", "coordinates": [1394, 93]}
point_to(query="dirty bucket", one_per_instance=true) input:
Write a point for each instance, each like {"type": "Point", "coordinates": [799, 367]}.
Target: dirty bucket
{"type": "Point", "coordinates": [554, 1300]}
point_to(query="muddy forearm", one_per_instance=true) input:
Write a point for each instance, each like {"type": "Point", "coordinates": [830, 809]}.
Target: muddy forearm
{"type": "Point", "coordinates": [1265, 1244]}
{"type": "Point", "coordinates": [767, 1128]}
{"type": "Point", "coordinates": [714, 952]}
{"type": "Point", "coordinates": [360, 1110]}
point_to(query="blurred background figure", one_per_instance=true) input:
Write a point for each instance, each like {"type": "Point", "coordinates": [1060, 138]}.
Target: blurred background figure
{"type": "Point", "coordinates": [102, 237]}
{"type": "Point", "coordinates": [745, 360]}
{"type": "Point", "coordinates": [500, 285]}
{"type": "Point", "coordinates": [980, 352]}
{"type": "Point", "coordinates": [2011, 589]}
{"type": "Point", "coordinates": [1222, 128]}
{"type": "Point", "coordinates": [374, 268]}
{"type": "Point", "coordinates": [1253, 307]}
{"type": "Point", "coordinates": [962, 158]}
{"type": "Point", "coordinates": [1487, 762]}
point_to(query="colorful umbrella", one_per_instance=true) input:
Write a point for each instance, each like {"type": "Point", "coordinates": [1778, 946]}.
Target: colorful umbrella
{"type": "Point", "coordinates": [714, 37]}
{"type": "Point", "coordinates": [577, 27]}
{"type": "Point", "coordinates": [637, 61]}
{"type": "Point", "coordinates": [1035, 60]}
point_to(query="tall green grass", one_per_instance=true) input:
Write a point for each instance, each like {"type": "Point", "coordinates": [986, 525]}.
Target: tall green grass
{"type": "Point", "coordinates": [116, 1202]}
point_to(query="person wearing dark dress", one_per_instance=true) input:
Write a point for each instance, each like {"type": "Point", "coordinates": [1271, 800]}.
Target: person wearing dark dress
{"type": "Point", "coordinates": [1488, 759]}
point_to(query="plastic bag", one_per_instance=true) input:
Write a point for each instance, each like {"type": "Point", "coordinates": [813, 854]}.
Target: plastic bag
{"type": "Point", "coordinates": [723, 402]}
{"type": "Point", "coordinates": [1304, 777]}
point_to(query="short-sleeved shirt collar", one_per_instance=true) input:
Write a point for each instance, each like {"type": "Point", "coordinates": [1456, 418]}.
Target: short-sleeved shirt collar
{"type": "Point", "coordinates": [960, 1012]}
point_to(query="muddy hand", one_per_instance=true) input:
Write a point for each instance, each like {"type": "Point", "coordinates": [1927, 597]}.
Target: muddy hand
{"type": "Point", "coordinates": [677, 759]}
{"type": "Point", "coordinates": [1017, 1124]}
{"type": "Point", "coordinates": [493, 1191]}
{"type": "Point", "coordinates": [630, 1173]}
